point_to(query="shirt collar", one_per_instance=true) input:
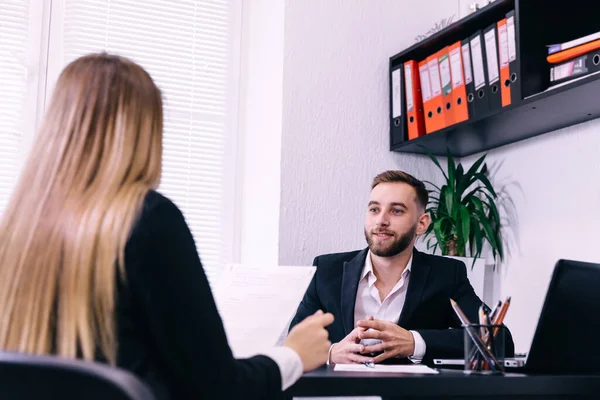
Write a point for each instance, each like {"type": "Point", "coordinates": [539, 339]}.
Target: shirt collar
{"type": "Point", "coordinates": [368, 273]}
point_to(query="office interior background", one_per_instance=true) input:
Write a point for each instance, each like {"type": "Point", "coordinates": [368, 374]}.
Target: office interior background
{"type": "Point", "coordinates": [277, 119]}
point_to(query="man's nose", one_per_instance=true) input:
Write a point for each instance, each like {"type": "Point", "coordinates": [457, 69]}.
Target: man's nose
{"type": "Point", "coordinates": [382, 220]}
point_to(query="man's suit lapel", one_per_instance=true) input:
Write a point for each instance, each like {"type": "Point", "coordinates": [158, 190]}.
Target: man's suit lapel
{"type": "Point", "coordinates": [350, 278]}
{"type": "Point", "coordinates": [416, 284]}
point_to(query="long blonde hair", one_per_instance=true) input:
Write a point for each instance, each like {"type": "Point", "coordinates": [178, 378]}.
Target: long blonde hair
{"type": "Point", "coordinates": [63, 235]}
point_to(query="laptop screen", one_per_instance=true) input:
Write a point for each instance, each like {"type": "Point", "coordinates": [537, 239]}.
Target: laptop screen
{"type": "Point", "coordinates": [566, 338]}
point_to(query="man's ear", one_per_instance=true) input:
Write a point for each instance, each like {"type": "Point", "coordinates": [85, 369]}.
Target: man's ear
{"type": "Point", "coordinates": [424, 221]}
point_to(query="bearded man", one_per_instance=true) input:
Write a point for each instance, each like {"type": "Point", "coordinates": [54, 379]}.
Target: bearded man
{"type": "Point", "coordinates": [391, 302]}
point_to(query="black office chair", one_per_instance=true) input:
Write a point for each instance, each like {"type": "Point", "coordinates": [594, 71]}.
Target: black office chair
{"type": "Point", "coordinates": [26, 377]}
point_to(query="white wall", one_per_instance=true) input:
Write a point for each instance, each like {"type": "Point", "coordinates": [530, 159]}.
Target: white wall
{"type": "Point", "coordinates": [553, 182]}
{"type": "Point", "coordinates": [261, 78]}
{"type": "Point", "coordinates": [335, 115]}
{"type": "Point", "coordinates": [331, 61]}
{"type": "Point", "coordinates": [335, 139]}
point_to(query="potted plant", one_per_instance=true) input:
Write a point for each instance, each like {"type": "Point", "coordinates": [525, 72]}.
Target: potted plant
{"type": "Point", "coordinates": [464, 217]}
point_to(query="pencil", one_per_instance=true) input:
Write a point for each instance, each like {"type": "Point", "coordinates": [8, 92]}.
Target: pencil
{"type": "Point", "coordinates": [489, 358]}
{"type": "Point", "coordinates": [496, 309]}
{"type": "Point", "coordinates": [501, 314]}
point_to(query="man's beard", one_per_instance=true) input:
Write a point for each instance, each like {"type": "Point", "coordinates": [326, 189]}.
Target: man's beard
{"type": "Point", "coordinates": [397, 246]}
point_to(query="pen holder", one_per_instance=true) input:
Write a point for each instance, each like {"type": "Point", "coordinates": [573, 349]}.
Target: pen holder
{"type": "Point", "coordinates": [484, 348]}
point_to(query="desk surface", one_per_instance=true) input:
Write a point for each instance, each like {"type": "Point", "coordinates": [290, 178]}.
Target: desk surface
{"type": "Point", "coordinates": [447, 384]}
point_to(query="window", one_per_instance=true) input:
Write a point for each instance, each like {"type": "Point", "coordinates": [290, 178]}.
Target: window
{"type": "Point", "coordinates": [188, 47]}
{"type": "Point", "coordinates": [15, 37]}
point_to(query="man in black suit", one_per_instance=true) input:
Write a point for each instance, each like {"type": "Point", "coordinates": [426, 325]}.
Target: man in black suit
{"type": "Point", "coordinates": [391, 302]}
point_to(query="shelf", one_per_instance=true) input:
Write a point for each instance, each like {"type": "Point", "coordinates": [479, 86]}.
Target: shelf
{"type": "Point", "coordinates": [459, 30]}
{"type": "Point", "coordinates": [540, 110]}
{"type": "Point", "coordinates": [554, 109]}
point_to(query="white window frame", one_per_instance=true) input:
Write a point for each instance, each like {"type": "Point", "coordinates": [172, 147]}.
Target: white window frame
{"type": "Point", "coordinates": [35, 62]}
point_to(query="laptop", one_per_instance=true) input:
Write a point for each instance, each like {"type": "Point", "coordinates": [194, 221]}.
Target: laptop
{"type": "Point", "coordinates": [458, 363]}
{"type": "Point", "coordinates": [568, 327]}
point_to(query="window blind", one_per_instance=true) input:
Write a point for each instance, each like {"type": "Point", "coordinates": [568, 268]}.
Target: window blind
{"type": "Point", "coordinates": [186, 48]}
{"type": "Point", "coordinates": [14, 36]}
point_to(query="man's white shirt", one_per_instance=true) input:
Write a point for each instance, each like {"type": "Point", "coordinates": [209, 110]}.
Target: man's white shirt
{"type": "Point", "coordinates": [368, 303]}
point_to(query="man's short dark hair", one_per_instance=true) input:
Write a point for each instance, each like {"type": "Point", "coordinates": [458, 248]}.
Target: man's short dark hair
{"type": "Point", "coordinates": [401, 176]}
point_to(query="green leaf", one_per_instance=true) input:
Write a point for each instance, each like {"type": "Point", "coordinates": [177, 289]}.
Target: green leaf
{"type": "Point", "coordinates": [465, 183]}
{"type": "Point", "coordinates": [464, 208]}
{"type": "Point", "coordinates": [451, 172]}
{"type": "Point", "coordinates": [487, 229]}
{"type": "Point", "coordinates": [476, 165]}
{"type": "Point", "coordinates": [429, 242]}
{"type": "Point", "coordinates": [436, 162]}
{"type": "Point", "coordinates": [465, 225]}
{"type": "Point", "coordinates": [433, 184]}
{"type": "Point", "coordinates": [433, 207]}
{"type": "Point", "coordinates": [432, 212]}
{"type": "Point", "coordinates": [449, 198]}
{"type": "Point", "coordinates": [500, 248]}
{"type": "Point", "coordinates": [476, 238]}
{"type": "Point", "coordinates": [469, 178]}
{"type": "Point", "coordinates": [434, 200]}
{"type": "Point", "coordinates": [492, 207]}
{"type": "Point", "coordinates": [487, 183]}
{"type": "Point", "coordinates": [433, 246]}
{"type": "Point", "coordinates": [429, 228]}
{"type": "Point", "coordinates": [441, 207]}
{"type": "Point", "coordinates": [437, 228]}
{"type": "Point", "coordinates": [467, 197]}
{"type": "Point", "coordinates": [459, 172]}
{"type": "Point", "coordinates": [478, 204]}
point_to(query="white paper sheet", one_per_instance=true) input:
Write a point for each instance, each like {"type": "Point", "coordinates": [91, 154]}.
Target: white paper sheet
{"type": "Point", "coordinates": [256, 304]}
{"type": "Point", "coordinates": [399, 369]}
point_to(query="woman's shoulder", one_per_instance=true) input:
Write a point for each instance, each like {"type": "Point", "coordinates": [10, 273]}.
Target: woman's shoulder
{"type": "Point", "coordinates": [157, 203]}
{"type": "Point", "coordinates": [159, 222]}
{"type": "Point", "coordinates": [155, 200]}
{"type": "Point", "coordinates": [157, 209]}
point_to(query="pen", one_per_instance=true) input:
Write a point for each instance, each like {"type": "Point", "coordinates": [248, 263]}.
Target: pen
{"type": "Point", "coordinates": [481, 321]}
{"type": "Point", "coordinates": [491, 360]}
{"type": "Point", "coordinates": [487, 336]}
{"type": "Point", "coordinates": [484, 319]}
{"type": "Point", "coordinates": [369, 364]}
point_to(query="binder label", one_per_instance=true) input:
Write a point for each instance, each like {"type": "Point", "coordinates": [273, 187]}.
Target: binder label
{"type": "Point", "coordinates": [410, 101]}
{"type": "Point", "coordinates": [425, 85]}
{"type": "Point", "coordinates": [512, 43]}
{"type": "Point", "coordinates": [477, 58]}
{"type": "Point", "coordinates": [445, 75]}
{"type": "Point", "coordinates": [503, 34]}
{"type": "Point", "coordinates": [466, 55]}
{"type": "Point", "coordinates": [456, 68]}
{"type": "Point", "coordinates": [569, 69]}
{"type": "Point", "coordinates": [434, 77]}
{"type": "Point", "coordinates": [491, 56]}
{"type": "Point", "coordinates": [396, 88]}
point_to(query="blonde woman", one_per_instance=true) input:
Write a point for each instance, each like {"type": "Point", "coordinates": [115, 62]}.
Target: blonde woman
{"type": "Point", "coordinates": [95, 264]}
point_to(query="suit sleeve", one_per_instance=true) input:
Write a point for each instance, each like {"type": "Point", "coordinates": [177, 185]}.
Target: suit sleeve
{"type": "Point", "coordinates": [310, 302]}
{"type": "Point", "coordinates": [168, 282]}
{"type": "Point", "coordinates": [449, 343]}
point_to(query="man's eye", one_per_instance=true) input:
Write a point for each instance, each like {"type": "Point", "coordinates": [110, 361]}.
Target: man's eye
{"type": "Point", "coordinates": [398, 211]}
{"type": "Point", "coordinates": [372, 210]}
